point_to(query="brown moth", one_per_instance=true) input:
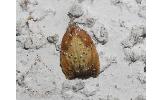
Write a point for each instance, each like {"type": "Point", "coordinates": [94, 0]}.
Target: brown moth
{"type": "Point", "coordinates": [78, 56]}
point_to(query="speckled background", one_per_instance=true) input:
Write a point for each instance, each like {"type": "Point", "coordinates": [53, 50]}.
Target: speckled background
{"type": "Point", "coordinates": [117, 28]}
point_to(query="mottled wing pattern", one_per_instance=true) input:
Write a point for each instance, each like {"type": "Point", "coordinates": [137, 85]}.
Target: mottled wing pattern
{"type": "Point", "coordinates": [78, 57]}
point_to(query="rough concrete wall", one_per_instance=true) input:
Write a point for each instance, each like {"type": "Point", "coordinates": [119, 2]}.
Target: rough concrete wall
{"type": "Point", "coordinates": [117, 28]}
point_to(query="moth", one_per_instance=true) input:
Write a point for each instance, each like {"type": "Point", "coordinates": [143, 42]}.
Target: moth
{"type": "Point", "coordinates": [78, 55]}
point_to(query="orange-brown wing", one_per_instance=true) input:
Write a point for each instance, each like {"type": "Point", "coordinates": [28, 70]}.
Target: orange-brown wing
{"type": "Point", "coordinates": [79, 57]}
{"type": "Point", "coordinates": [93, 64]}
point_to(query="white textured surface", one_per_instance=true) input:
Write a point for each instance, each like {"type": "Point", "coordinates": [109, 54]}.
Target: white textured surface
{"type": "Point", "coordinates": [118, 30]}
